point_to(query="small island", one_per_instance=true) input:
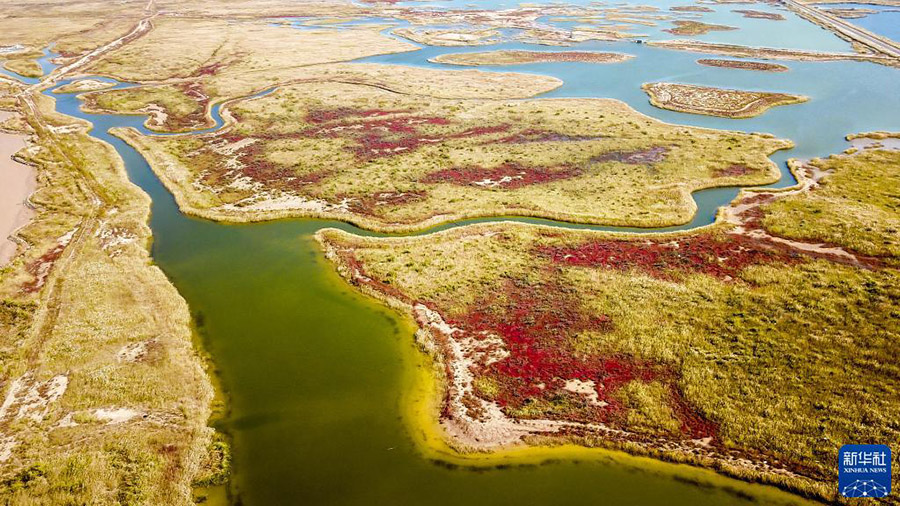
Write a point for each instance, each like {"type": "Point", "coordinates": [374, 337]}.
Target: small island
{"type": "Point", "coordinates": [720, 102]}
{"type": "Point", "coordinates": [743, 65]}
{"type": "Point", "coordinates": [774, 16]}
{"type": "Point", "coordinates": [459, 37]}
{"type": "Point", "coordinates": [519, 57]}
{"type": "Point", "coordinates": [24, 68]}
{"type": "Point", "coordinates": [696, 28]}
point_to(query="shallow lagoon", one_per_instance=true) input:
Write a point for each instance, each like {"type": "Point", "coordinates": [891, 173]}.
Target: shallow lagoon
{"type": "Point", "coordinates": [885, 22]}
{"type": "Point", "coordinates": [319, 376]}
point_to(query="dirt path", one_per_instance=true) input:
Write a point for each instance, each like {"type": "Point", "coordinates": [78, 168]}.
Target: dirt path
{"type": "Point", "coordinates": [744, 213]}
{"type": "Point", "coordinates": [45, 319]}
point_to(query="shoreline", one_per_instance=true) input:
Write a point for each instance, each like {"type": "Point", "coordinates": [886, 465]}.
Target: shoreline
{"type": "Point", "coordinates": [441, 437]}
{"type": "Point", "coordinates": [310, 208]}
{"type": "Point", "coordinates": [17, 182]}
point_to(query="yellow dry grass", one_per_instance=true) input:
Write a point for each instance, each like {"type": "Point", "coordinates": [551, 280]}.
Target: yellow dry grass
{"type": "Point", "coordinates": [788, 360]}
{"type": "Point", "coordinates": [856, 205]}
{"type": "Point", "coordinates": [107, 399]}
{"type": "Point", "coordinates": [623, 167]}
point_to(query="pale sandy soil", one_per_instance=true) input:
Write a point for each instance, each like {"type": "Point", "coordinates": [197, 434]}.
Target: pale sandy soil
{"type": "Point", "coordinates": [17, 182]}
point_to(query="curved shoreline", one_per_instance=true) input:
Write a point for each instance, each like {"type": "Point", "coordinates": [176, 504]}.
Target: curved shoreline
{"type": "Point", "coordinates": [17, 182]}
{"type": "Point", "coordinates": [423, 405]}
{"type": "Point", "coordinates": [219, 113]}
{"type": "Point", "coordinates": [532, 454]}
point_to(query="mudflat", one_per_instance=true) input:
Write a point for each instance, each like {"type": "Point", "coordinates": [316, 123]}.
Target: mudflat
{"type": "Point", "coordinates": [17, 182]}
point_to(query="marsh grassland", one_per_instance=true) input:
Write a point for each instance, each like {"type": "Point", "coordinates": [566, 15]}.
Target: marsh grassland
{"type": "Point", "coordinates": [697, 28]}
{"type": "Point", "coordinates": [393, 161]}
{"type": "Point", "coordinates": [554, 335]}
{"type": "Point", "coordinates": [747, 346]}
{"type": "Point", "coordinates": [856, 206]}
{"type": "Point", "coordinates": [105, 399]}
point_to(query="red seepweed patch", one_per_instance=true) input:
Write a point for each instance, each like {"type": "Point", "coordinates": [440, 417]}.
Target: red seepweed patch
{"type": "Point", "coordinates": [210, 69]}
{"type": "Point", "coordinates": [196, 118]}
{"type": "Point", "coordinates": [377, 136]}
{"type": "Point", "coordinates": [720, 257]}
{"type": "Point", "coordinates": [537, 135]}
{"type": "Point", "coordinates": [319, 116]}
{"type": "Point", "coordinates": [536, 324]}
{"type": "Point", "coordinates": [507, 176]}
{"type": "Point", "coordinates": [40, 268]}
{"type": "Point", "coordinates": [735, 169]}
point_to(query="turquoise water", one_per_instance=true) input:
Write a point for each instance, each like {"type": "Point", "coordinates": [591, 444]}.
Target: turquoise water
{"type": "Point", "coordinates": [791, 33]}
{"type": "Point", "coordinates": [316, 373]}
{"type": "Point", "coordinates": [46, 66]}
{"type": "Point", "coordinates": [840, 102]}
{"type": "Point", "coordinates": [885, 22]}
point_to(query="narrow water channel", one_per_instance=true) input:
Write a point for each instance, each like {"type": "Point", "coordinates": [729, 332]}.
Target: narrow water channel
{"type": "Point", "coordinates": [318, 376]}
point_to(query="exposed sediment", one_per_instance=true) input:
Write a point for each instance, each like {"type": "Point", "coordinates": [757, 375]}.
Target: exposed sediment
{"type": "Point", "coordinates": [17, 182]}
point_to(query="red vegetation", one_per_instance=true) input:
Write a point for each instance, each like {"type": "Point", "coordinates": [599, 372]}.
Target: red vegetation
{"type": "Point", "coordinates": [690, 8]}
{"type": "Point", "coordinates": [376, 138]}
{"type": "Point", "coordinates": [40, 268]}
{"type": "Point", "coordinates": [197, 117]}
{"type": "Point", "coordinates": [655, 154]}
{"type": "Point", "coordinates": [507, 176]}
{"type": "Point", "coordinates": [735, 169]}
{"type": "Point", "coordinates": [261, 170]}
{"type": "Point", "coordinates": [370, 204]}
{"type": "Point", "coordinates": [566, 56]}
{"type": "Point", "coordinates": [537, 324]}
{"type": "Point", "coordinates": [536, 135]}
{"type": "Point", "coordinates": [360, 278]}
{"type": "Point", "coordinates": [319, 116]}
{"type": "Point", "coordinates": [210, 69]}
{"type": "Point", "coordinates": [720, 257]}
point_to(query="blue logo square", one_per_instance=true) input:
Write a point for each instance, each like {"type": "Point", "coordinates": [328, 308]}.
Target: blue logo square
{"type": "Point", "coordinates": [864, 471]}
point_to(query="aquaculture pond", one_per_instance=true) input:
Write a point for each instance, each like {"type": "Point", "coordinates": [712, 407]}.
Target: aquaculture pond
{"type": "Point", "coordinates": [325, 387]}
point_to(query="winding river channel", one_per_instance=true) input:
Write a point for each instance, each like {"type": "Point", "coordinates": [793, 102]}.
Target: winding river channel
{"type": "Point", "coordinates": [320, 379]}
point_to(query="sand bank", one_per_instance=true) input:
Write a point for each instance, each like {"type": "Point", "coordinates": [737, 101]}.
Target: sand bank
{"type": "Point", "coordinates": [17, 182]}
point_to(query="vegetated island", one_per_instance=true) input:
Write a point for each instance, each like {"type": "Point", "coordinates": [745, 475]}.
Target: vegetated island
{"type": "Point", "coordinates": [752, 14]}
{"type": "Point", "coordinates": [725, 103]}
{"type": "Point", "coordinates": [767, 53]}
{"type": "Point", "coordinates": [690, 8]}
{"type": "Point", "coordinates": [521, 57]}
{"type": "Point", "coordinates": [83, 85]}
{"type": "Point", "coordinates": [743, 65]}
{"type": "Point", "coordinates": [398, 162]}
{"type": "Point", "coordinates": [545, 335]}
{"type": "Point", "coordinates": [24, 67]}
{"type": "Point", "coordinates": [696, 28]}
{"type": "Point", "coordinates": [457, 37]}
{"type": "Point", "coordinates": [851, 12]}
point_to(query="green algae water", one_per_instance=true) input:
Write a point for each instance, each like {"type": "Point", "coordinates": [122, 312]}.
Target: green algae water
{"type": "Point", "coordinates": [320, 380]}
